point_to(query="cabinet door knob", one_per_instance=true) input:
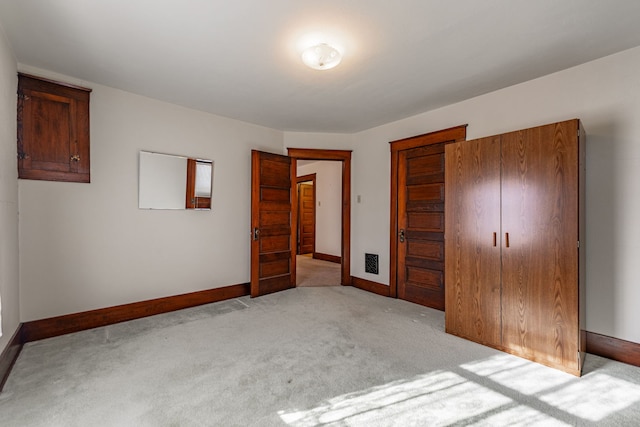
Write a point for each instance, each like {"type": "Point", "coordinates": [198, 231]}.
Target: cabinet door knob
{"type": "Point", "coordinates": [506, 239]}
{"type": "Point", "coordinates": [75, 158]}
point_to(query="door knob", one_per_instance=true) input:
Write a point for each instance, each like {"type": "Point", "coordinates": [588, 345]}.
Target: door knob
{"type": "Point", "coordinates": [401, 234]}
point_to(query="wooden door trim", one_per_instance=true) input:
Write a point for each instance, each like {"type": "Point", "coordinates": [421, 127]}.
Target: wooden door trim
{"type": "Point", "coordinates": [300, 179]}
{"type": "Point", "coordinates": [343, 156]}
{"type": "Point", "coordinates": [453, 134]}
{"type": "Point", "coordinates": [306, 178]}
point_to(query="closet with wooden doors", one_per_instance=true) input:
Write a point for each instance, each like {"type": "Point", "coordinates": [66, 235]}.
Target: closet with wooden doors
{"type": "Point", "coordinates": [514, 243]}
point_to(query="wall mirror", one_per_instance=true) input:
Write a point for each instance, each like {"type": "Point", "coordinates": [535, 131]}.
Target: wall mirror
{"type": "Point", "coordinates": [174, 182]}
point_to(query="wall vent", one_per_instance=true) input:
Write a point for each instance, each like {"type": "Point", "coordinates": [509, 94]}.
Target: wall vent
{"type": "Point", "coordinates": [371, 263]}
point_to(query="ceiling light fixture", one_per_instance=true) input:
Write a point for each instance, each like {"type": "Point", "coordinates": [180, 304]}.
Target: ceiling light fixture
{"type": "Point", "coordinates": [321, 57]}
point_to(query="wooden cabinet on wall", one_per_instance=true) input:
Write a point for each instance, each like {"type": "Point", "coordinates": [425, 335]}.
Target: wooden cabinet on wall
{"type": "Point", "coordinates": [53, 130]}
{"type": "Point", "coordinates": [514, 243]}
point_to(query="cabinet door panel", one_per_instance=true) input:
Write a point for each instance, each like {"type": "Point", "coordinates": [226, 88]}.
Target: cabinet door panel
{"type": "Point", "coordinates": [53, 130]}
{"type": "Point", "coordinates": [540, 215]}
{"type": "Point", "coordinates": [472, 261]}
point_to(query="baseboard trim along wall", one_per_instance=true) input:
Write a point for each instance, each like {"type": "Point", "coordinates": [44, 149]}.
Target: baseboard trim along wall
{"type": "Point", "coordinates": [613, 348]}
{"type": "Point", "coordinates": [10, 355]}
{"type": "Point", "coordinates": [327, 257]}
{"type": "Point", "coordinates": [55, 326]}
{"type": "Point", "coordinates": [368, 285]}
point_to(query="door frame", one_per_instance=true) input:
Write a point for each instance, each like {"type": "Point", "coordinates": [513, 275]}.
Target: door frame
{"type": "Point", "coordinates": [345, 157]}
{"type": "Point", "coordinates": [299, 180]}
{"type": "Point", "coordinates": [453, 134]}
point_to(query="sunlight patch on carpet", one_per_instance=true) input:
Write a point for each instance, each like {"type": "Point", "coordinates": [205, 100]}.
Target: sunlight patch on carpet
{"type": "Point", "coordinates": [519, 374]}
{"type": "Point", "coordinates": [594, 397]}
{"type": "Point", "coordinates": [438, 398]}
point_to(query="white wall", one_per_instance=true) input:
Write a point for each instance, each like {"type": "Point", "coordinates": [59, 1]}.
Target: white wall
{"type": "Point", "coordinates": [605, 94]}
{"type": "Point", "coordinates": [87, 246]}
{"type": "Point", "coordinates": [328, 204]}
{"type": "Point", "coordinates": [9, 302]}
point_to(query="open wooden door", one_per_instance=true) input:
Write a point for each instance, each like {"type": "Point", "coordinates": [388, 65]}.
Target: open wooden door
{"type": "Point", "coordinates": [273, 220]}
{"type": "Point", "coordinates": [306, 218]}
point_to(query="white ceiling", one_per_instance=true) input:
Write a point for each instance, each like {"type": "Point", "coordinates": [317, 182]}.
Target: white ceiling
{"type": "Point", "coordinates": [240, 59]}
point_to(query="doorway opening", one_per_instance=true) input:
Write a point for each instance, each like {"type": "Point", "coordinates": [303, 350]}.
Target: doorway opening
{"type": "Point", "coordinates": [343, 222]}
{"type": "Point", "coordinates": [319, 223]}
{"type": "Point", "coordinates": [306, 227]}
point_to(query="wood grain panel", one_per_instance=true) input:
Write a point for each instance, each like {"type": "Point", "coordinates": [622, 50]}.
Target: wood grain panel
{"type": "Point", "coordinates": [272, 220]}
{"type": "Point", "coordinates": [426, 169]}
{"type": "Point", "coordinates": [281, 195]}
{"type": "Point", "coordinates": [274, 243]}
{"type": "Point", "coordinates": [424, 278]}
{"type": "Point", "coordinates": [275, 218]}
{"type": "Point", "coordinates": [275, 173]}
{"type": "Point", "coordinates": [540, 266]}
{"type": "Point", "coordinates": [472, 262]}
{"type": "Point", "coordinates": [429, 221]}
{"type": "Point", "coordinates": [426, 249]}
{"type": "Point", "coordinates": [425, 165]}
{"type": "Point", "coordinates": [275, 284]}
{"type": "Point", "coordinates": [274, 268]}
{"type": "Point", "coordinates": [53, 130]}
{"type": "Point", "coordinates": [50, 133]}
{"type": "Point", "coordinates": [425, 192]}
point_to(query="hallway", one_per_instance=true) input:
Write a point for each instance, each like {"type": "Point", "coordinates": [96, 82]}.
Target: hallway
{"type": "Point", "coordinates": [315, 272]}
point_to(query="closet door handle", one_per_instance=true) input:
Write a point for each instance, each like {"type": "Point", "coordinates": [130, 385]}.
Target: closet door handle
{"type": "Point", "coordinates": [495, 239]}
{"type": "Point", "coordinates": [506, 239]}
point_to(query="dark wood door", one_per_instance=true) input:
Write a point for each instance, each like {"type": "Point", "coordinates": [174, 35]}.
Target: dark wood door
{"type": "Point", "coordinates": [472, 248]}
{"type": "Point", "coordinates": [306, 218]}
{"type": "Point", "coordinates": [273, 223]}
{"type": "Point", "coordinates": [540, 252]}
{"type": "Point", "coordinates": [421, 225]}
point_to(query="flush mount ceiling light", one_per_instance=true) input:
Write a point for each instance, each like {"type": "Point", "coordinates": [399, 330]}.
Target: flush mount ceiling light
{"type": "Point", "coordinates": [321, 57]}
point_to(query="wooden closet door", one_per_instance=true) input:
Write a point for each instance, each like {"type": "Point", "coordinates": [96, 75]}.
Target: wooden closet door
{"type": "Point", "coordinates": [540, 235]}
{"type": "Point", "coordinates": [472, 244]}
{"type": "Point", "coordinates": [421, 225]}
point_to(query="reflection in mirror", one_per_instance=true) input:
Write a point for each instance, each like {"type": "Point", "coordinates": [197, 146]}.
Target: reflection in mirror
{"type": "Point", "coordinates": [174, 182]}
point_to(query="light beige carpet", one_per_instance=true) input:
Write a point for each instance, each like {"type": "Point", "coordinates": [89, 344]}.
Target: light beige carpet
{"type": "Point", "coordinates": [315, 272]}
{"type": "Point", "coordinates": [311, 356]}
